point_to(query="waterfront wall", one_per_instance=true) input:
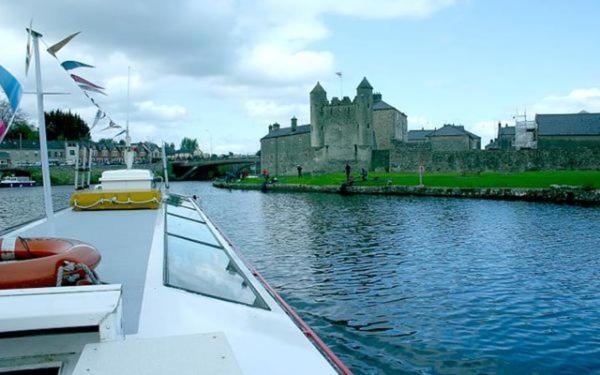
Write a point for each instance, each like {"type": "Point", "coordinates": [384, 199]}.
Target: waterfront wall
{"type": "Point", "coordinates": [405, 159]}
{"type": "Point", "coordinates": [558, 194]}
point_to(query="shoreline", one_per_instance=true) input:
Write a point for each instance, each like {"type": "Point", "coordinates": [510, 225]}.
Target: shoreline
{"type": "Point", "coordinates": [560, 195]}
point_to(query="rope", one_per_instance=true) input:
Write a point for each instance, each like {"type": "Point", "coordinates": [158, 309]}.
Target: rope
{"type": "Point", "coordinates": [113, 200]}
{"type": "Point", "coordinates": [71, 273]}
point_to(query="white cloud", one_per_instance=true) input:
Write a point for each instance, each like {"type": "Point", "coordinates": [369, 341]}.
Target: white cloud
{"type": "Point", "coordinates": [162, 111]}
{"type": "Point", "coordinates": [587, 99]}
{"type": "Point", "coordinates": [260, 58]}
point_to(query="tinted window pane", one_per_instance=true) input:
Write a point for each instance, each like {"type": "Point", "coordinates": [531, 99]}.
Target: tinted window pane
{"type": "Point", "coordinates": [207, 270]}
{"type": "Point", "coordinates": [190, 229]}
{"type": "Point", "coordinates": [185, 212]}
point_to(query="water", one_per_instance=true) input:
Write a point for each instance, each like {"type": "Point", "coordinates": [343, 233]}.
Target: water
{"type": "Point", "coordinates": [18, 205]}
{"type": "Point", "coordinates": [424, 285]}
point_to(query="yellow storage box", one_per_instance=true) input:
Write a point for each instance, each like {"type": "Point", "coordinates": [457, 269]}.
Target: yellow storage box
{"type": "Point", "coordinates": [89, 200]}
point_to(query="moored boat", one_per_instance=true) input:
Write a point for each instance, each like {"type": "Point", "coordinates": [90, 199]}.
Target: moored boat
{"type": "Point", "coordinates": [16, 181]}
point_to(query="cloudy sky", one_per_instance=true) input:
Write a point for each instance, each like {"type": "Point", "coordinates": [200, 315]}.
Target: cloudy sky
{"type": "Point", "coordinates": [226, 69]}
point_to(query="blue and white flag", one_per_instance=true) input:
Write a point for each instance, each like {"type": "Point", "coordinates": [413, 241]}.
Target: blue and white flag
{"type": "Point", "coordinates": [13, 91]}
{"type": "Point", "coordinates": [70, 65]}
{"type": "Point", "coordinates": [11, 87]}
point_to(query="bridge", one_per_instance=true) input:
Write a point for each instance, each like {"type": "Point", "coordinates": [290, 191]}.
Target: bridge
{"type": "Point", "coordinates": [207, 168]}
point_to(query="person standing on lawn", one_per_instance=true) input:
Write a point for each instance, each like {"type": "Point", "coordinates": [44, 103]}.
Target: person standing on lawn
{"type": "Point", "coordinates": [347, 169]}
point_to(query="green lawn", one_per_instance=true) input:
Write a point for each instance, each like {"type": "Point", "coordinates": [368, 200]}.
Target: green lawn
{"type": "Point", "coordinates": [542, 179]}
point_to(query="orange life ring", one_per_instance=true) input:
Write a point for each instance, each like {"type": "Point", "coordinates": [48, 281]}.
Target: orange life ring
{"type": "Point", "coordinates": [34, 262]}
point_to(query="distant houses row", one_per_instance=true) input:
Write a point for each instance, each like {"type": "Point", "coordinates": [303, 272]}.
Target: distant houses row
{"type": "Point", "coordinates": [16, 153]}
{"type": "Point", "coordinates": [546, 131]}
{"type": "Point", "coordinates": [550, 131]}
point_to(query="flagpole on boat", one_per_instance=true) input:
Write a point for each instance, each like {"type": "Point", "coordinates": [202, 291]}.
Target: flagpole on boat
{"type": "Point", "coordinates": [42, 130]}
{"type": "Point", "coordinates": [128, 155]}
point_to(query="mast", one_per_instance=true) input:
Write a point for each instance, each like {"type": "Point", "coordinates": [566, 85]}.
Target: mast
{"type": "Point", "coordinates": [128, 153]}
{"type": "Point", "coordinates": [42, 130]}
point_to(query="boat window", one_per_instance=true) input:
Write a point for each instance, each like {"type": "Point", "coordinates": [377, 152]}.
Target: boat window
{"type": "Point", "coordinates": [207, 270]}
{"type": "Point", "coordinates": [184, 212]}
{"type": "Point", "coordinates": [191, 229]}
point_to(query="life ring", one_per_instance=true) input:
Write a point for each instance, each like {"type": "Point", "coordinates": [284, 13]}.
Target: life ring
{"type": "Point", "coordinates": [35, 262]}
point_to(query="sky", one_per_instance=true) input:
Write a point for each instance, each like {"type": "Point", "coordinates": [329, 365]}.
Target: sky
{"type": "Point", "coordinates": [221, 71]}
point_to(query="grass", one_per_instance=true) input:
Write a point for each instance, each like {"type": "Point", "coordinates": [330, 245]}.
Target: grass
{"type": "Point", "coordinates": [537, 179]}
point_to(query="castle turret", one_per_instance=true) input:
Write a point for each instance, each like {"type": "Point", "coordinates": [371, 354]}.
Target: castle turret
{"type": "Point", "coordinates": [364, 100]}
{"type": "Point", "coordinates": [318, 98]}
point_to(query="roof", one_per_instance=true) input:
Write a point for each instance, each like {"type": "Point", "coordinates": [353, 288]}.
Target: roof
{"type": "Point", "coordinates": [317, 88]}
{"type": "Point", "coordinates": [381, 105]}
{"type": "Point", "coordinates": [4, 155]}
{"type": "Point", "coordinates": [364, 84]}
{"type": "Point", "coordinates": [282, 132]}
{"type": "Point", "coordinates": [506, 130]}
{"type": "Point", "coordinates": [418, 135]}
{"type": "Point", "coordinates": [15, 144]}
{"type": "Point", "coordinates": [568, 124]}
{"type": "Point", "coordinates": [452, 131]}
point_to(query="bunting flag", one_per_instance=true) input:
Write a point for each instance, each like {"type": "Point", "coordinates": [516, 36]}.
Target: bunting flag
{"type": "Point", "coordinates": [11, 87]}
{"type": "Point", "coordinates": [99, 116]}
{"type": "Point", "coordinates": [70, 65]}
{"type": "Point", "coordinates": [119, 133]}
{"type": "Point", "coordinates": [111, 125]}
{"type": "Point", "coordinates": [56, 47]}
{"type": "Point", "coordinates": [339, 74]}
{"type": "Point", "coordinates": [92, 89]}
{"type": "Point", "coordinates": [28, 52]}
{"type": "Point", "coordinates": [3, 130]}
{"type": "Point", "coordinates": [80, 80]}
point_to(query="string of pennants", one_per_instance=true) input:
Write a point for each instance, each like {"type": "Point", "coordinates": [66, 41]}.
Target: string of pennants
{"type": "Point", "coordinates": [87, 87]}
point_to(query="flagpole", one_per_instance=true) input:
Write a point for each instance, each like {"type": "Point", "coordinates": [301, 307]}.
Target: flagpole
{"type": "Point", "coordinates": [42, 130]}
{"type": "Point", "coordinates": [128, 153]}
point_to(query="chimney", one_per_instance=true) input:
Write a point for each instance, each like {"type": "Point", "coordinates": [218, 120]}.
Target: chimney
{"type": "Point", "coordinates": [376, 97]}
{"type": "Point", "coordinates": [275, 126]}
{"type": "Point", "coordinates": [294, 123]}
{"type": "Point", "coordinates": [270, 128]}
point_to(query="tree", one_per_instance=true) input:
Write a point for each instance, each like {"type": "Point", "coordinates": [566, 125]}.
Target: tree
{"type": "Point", "coordinates": [106, 141]}
{"type": "Point", "coordinates": [22, 131]}
{"type": "Point", "coordinates": [65, 126]}
{"type": "Point", "coordinates": [188, 145]}
{"type": "Point", "coordinates": [20, 126]}
{"type": "Point", "coordinates": [170, 148]}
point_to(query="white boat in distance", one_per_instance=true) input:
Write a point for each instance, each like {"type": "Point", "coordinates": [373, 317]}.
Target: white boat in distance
{"type": "Point", "coordinates": [16, 181]}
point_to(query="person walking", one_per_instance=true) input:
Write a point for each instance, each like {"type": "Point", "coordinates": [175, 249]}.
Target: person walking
{"type": "Point", "coordinates": [347, 169]}
{"type": "Point", "coordinates": [299, 168]}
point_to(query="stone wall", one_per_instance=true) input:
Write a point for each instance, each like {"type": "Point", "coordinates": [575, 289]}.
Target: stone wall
{"type": "Point", "coordinates": [388, 124]}
{"type": "Point", "coordinates": [281, 155]}
{"type": "Point", "coordinates": [405, 159]}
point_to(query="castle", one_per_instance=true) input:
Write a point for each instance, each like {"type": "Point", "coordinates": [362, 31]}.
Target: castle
{"type": "Point", "coordinates": [340, 131]}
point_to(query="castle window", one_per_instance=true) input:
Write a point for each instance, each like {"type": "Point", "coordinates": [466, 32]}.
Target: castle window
{"type": "Point", "coordinates": [355, 152]}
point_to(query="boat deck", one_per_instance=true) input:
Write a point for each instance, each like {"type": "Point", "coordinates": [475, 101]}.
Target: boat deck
{"type": "Point", "coordinates": [122, 237]}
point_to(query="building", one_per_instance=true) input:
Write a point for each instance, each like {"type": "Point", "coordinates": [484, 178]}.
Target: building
{"type": "Point", "coordinates": [449, 137]}
{"type": "Point", "coordinates": [452, 137]}
{"type": "Point", "coordinates": [505, 138]}
{"type": "Point", "coordinates": [418, 136]}
{"type": "Point", "coordinates": [26, 152]}
{"type": "Point", "coordinates": [340, 131]}
{"type": "Point", "coordinates": [525, 135]}
{"type": "Point", "coordinates": [568, 131]}
{"type": "Point", "coordinates": [4, 159]}
{"type": "Point", "coordinates": [21, 152]}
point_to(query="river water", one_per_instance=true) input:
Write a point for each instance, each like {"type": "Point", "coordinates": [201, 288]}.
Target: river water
{"type": "Point", "coordinates": [417, 285]}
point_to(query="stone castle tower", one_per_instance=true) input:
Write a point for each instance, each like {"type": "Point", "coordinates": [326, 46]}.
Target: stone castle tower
{"type": "Point", "coordinates": [359, 132]}
{"type": "Point", "coordinates": [342, 130]}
